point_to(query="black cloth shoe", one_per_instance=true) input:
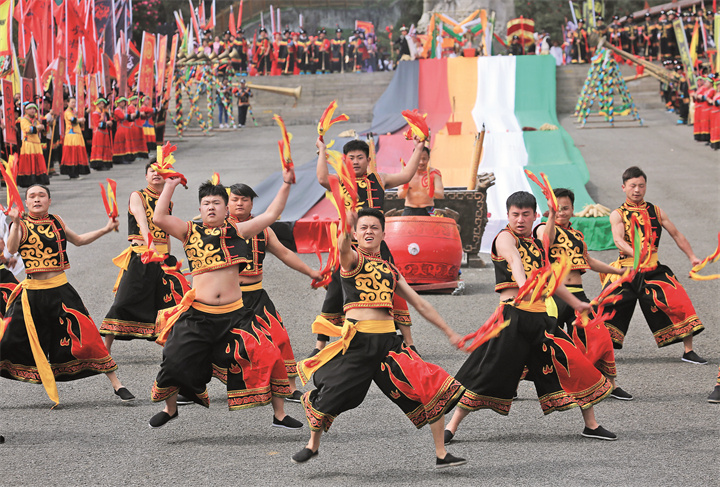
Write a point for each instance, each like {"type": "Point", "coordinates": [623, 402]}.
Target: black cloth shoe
{"type": "Point", "coordinates": [714, 396]}
{"type": "Point", "coordinates": [449, 435]}
{"type": "Point", "coordinates": [304, 455]}
{"type": "Point", "coordinates": [314, 352]}
{"type": "Point", "coordinates": [619, 393]}
{"type": "Point", "coordinates": [599, 433]}
{"type": "Point", "coordinates": [287, 423]}
{"type": "Point", "coordinates": [161, 418]}
{"type": "Point", "coordinates": [449, 461]}
{"type": "Point", "coordinates": [294, 397]}
{"type": "Point", "coordinates": [693, 358]}
{"type": "Point", "coordinates": [184, 400]}
{"type": "Point", "coordinates": [124, 395]}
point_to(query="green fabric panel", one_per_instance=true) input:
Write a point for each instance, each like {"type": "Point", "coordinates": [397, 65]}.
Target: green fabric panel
{"type": "Point", "coordinates": [597, 231]}
{"type": "Point", "coordinates": [552, 152]}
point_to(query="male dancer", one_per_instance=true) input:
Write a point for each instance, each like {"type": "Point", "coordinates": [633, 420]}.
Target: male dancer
{"type": "Point", "coordinates": [563, 377]}
{"type": "Point", "coordinates": [33, 347]}
{"type": "Point", "coordinates": [371, 194]}
{"type": "Point", "coordinates": [211, 332]}
{"type": "Point", "coordinates": [371, 351]}
{"type": "Point", "coordinates": [142, 289]}
{"type": "Point", "coordinates": [254, 296]}
{"type": "Point", "coordinates": [566, 241]}
{"type": "Point", "coordinates": [422, 190]}
{"type": "Point", "coordinates": [663, 301]}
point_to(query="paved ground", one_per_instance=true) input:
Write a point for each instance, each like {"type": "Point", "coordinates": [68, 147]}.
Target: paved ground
{"type": "Point", "coordinates": [669, 435]}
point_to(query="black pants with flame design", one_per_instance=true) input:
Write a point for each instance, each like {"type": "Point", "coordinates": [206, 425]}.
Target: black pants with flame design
{"type": "Point", "coordinates": [67, 335]}
{"type": "Point", "coordinates": [667, 308]}
{"type": "Point", "coordinates": [143, 291]}
{"type": "Point", "coordinates": [231, 347]}
{"type": "Point", "coordinates": [563, 377]}
{"type": "Point", "coordinates": [423, 391]}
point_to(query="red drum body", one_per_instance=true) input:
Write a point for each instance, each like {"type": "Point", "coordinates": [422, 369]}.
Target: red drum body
{"type": "Point", "coordinates": [426, 249]}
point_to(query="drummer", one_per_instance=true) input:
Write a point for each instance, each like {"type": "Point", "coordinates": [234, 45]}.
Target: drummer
{"type": "Point", "coordinates": [422, 190]}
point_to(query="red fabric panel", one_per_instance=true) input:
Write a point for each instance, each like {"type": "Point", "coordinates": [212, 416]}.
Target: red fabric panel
{"type": "Point", "coordinates": [316, 222]}
{"type": "Point", "coordinates": [433, 97]}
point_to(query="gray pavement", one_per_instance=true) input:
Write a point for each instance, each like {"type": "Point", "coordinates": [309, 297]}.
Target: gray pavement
{"type": "Point", "coordinates": [669, 435]}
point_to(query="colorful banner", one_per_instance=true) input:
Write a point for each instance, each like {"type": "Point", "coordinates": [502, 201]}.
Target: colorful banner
{"type": "Point", "coordinates": [57, 106]}
{"type": "Point", "coordinates": [146, 75]}
{"type": "Point", "coordinates": [171, 69]}
{"type": "Point", "coordinates": [28, 89]}
{"type": "Point", "coordinates": [123, 75]}
{"type": "Point", "coordinates": [106, 74]}
{"type": "Point", "coordinates": [161, 65]}
{"type": "Point", "coordinates": [368, 27]}
{"type": "Point", "coordinates": [685, 53]}
{"type": "Point", "coordinates": [80, 94]}
{"type": "Point", "coordinates": [6, 8]}
{"type": "Point", "coordinates": [9, 112]}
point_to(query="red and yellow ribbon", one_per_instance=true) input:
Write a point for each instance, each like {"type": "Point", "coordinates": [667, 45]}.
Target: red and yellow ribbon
{"type": "Point", "coordinates": [333, 258]}
{"type": "Point", "coordinates": [417, 123]}
{"type": "Point", "coordinates": [710, 258]}
{"type": "Point", "coordinates": [284, 146]}
{"type": "Point", "coordinates": [165, 161]}
{"type": "Point", "coordinates": [546, 189]}
{"type": "Point", "coordinates": [9, 174]}
{"type": "Point", "coordinates": [109, 197]}
{"type": "Point", "coordinates": [326, 120]}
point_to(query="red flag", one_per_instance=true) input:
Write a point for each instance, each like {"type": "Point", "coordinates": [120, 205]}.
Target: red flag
{"type": "Point", "coordinates": [23, 32]}
{"type": "Point", "coordinates": [201, 15]}
{"type": "Point", "coordinates": [75, 24]}
{"type": "Point", "coordinates": [194, 22]}
{"type": "Point", "coordinates": [91, 41]}
{"type": "Point", "coordinates": [35, 24]}
{"type": "Point", "coordinates": [171, 69]}
{"type": "Point", "coordinates": [80, 94]}
{"type": "Point", "coordinates": [57, 106]}
{"type": "Point", "coordinates": [28, 90]}
{"type": "Point", "coordinates": [239, 22]}
{"type": "Point", "coordinates": [161, 65]}
{"type": "Point", "coordinates": [231, 22]}
{"type": "Point", "coordinates": [211, 21]}
{"type": "Point", "coordinates": [146, 76]}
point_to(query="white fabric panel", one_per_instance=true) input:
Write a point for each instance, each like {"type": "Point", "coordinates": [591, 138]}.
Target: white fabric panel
{"type": "Point", "coordinates": [504, 148]}
{"type": "Point", "coordinates": [495, 101]}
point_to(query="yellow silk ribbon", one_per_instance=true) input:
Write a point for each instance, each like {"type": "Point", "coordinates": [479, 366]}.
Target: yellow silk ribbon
{"type": "Point", "coordinates": [167, 318]}
{"type": "Point", "coordinates": [536, 307]}
{"type": "Point", "coordinates": [41, 362]}
{"type": "Point", "coordinates": [551, 307]}
{"type": "Point", "coordinates": [123, 260]}
{"type": "Point", "coordinates": [627, 262]}
{"type": "Point", "coordinates": [306, 368]}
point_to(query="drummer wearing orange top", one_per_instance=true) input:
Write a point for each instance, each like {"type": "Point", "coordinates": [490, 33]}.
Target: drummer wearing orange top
{"type": "Point", "coordinates": [422, 190]}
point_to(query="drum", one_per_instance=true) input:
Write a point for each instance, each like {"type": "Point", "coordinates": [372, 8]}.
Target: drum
{"type": "Point", "coordinates": [426, 249]}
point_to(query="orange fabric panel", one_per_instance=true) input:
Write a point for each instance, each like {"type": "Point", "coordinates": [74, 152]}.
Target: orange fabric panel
{"type": "Point", "coordinates": [452, 154]}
